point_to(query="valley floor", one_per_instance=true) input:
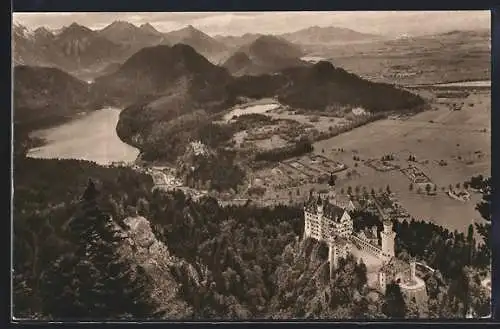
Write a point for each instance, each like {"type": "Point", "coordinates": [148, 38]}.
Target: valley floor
{"type": "Point", "coordinates": [460, 138]}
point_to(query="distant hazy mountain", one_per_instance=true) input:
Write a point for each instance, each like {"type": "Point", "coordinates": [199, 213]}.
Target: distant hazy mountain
{"type": "Point", "coordinates": [122, 32]}
{"type": "Point", "coordinates": [237, 41]}
{"type": "Point", "coordinates": [444, 39]}
{"type": "Point", "coordinates": [45, 95]}
{"type": "Point", "coordinates": [201, 42]}
{"type": "Point", "coordinates": [86, 47]}
{"type": "Point", "coordinates": [266, 54]}
{"type": "Point", "coordinates": [148, 28]}
{"type": "Point", "coordinates": [327, 35]}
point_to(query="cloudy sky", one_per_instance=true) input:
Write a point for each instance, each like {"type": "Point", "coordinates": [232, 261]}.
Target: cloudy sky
{"type": "Point", "coordinates": [237, 23]}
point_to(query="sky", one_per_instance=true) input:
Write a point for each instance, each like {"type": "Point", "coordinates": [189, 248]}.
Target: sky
{"type": "Point", "coordinates": [238, 23]}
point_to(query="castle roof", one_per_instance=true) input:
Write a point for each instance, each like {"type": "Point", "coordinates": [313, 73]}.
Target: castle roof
{"type": "Point", "coordinates": [370, 233]}
{"type": "Point", "coordinates": [340, 241]}
{"type": "Point", "coordinates": [344, 202]}
{"type": "Point", "coordinates": [386, 221]}
{"type": "Point", "coordinates": [330, 210]}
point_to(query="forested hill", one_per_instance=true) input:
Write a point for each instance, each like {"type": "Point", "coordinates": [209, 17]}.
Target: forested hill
{"type": "Point", "coordinates": [161, 71]}
{"type": "Point", "coordinates": [169, 92]}
{"type": "Point", "coordinates": [179, 89]}
{"type": "Point", "coordinates": [45, 95]}
{"type": "Point", "coordinates": [322, 86]}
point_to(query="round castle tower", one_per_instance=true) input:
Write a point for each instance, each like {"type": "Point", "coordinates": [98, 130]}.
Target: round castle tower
{"type": "Point", "coordinates": [388, 237]}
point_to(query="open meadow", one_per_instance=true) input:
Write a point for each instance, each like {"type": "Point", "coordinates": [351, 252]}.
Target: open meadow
{"type": "Point", "coordinates": [460, 138]}
{"type": "Point", "coordinates": [448, 148]}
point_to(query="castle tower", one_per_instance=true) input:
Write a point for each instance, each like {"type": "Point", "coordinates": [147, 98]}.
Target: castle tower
{"type": "Point", "coordinates": [307, 224]}
{"type": "Point", "coordinates": [382, 281]}
{"type": "Point", "coordinates": [319, 206]}
{"type": "Point", "coordinates": [307, 218]}
{"type": "Point", "coordinates": [413, 266]}
{"type": "Point", "coordinates": [332, 256]}
{"type": "Point", "coordinates": [388, 238]}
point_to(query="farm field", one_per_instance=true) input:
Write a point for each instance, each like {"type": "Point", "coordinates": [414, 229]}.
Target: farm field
{"type": "Point", "coordinates": [448, 147]}
{"type": "Point", "coordinates": [461, 138]}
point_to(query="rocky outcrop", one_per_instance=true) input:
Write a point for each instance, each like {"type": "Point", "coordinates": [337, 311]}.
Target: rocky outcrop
{"type": "Point", "coordinates": [144, 249]}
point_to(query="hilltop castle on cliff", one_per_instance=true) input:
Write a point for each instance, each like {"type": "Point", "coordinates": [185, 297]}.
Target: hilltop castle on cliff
{"type": "Point", "coordinates": [329, 221]}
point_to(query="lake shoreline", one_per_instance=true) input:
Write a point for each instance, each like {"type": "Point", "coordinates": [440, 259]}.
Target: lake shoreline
{"type": "Point", "coordinates": [87, 136]}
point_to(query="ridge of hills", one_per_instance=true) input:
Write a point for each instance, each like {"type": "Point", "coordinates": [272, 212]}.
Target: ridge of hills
{"type": "Point", "coordinates": [328, 35]}
{"type": "Point", "coordinates": [179, 89]}
{"type": "Point", "coordinates": [168, 89]}
{"type": "Point", "coordinates": [176, 80]}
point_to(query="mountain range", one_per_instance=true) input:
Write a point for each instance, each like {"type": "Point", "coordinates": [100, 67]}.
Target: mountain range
{"type": "Point", "coordinates": [81, 51]}
{"type": "Point", "coordinates": [172, 80]}
{"type": "Point", "coordinates": [176, 90]}
{"type": "Point", "coordinates": [85, 52]}
{"type": "Point", "coordinates": [121, 32]}
{"type": "Point", "coordinates": [75, 48]}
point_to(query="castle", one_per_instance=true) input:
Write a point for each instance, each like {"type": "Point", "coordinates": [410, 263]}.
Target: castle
{"type": "Point", "coordinates": [328, 220]}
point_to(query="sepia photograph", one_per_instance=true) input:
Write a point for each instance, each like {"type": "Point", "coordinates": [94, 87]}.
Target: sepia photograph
{"type": "Point", "coordinates": [239, 166]}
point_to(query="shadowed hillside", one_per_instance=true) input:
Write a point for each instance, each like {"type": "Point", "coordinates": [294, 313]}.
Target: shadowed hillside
{"type": "Point", "coordinates": [44, 96]}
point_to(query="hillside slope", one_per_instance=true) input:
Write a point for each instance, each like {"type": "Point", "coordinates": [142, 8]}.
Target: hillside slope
{"type": "Point", "coordinates": [43, 96]}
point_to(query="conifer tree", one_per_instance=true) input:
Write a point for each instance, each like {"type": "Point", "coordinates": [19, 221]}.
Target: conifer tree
{"type": "Point", "coordinates": [94, 282]}
{"type": "Point", "coordinates": [394, 305]}
{"type": "Point", "coordinates": [412, 310]}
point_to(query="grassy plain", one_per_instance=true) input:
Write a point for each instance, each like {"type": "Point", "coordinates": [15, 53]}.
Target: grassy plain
{"type": "Point", "coordinates": [460, 138]}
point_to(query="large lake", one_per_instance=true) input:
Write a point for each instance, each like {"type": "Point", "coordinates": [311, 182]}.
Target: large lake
{"type": "Point", "coordinates": [91, 137]}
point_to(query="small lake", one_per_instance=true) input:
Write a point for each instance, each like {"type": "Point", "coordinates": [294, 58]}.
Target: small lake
{"type": "Point", "coordinates": [478, 83]}
{"type": "Point", "coordinates": [260, 108]}
{"type": "Point", "coordinates": [313, 59]}
{"type": "Point", "coordinates": [90, 137]}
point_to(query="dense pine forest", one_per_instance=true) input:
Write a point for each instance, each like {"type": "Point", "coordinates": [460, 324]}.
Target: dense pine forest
{"type": "Point", "coordinates": [236, 262]}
